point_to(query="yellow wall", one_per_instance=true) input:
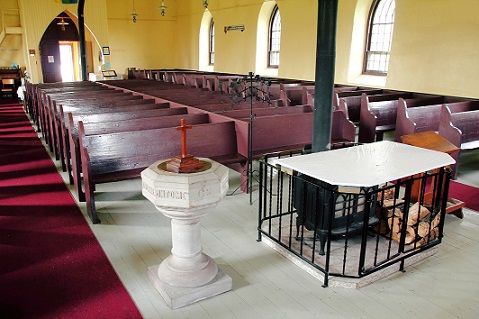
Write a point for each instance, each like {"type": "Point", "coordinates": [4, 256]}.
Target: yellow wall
{"type": "Point", "coordinates": [436, 47]}
{"type": "Point", "coordinates": [148, 43]}
{"type": "Point", "coordinates": [435, 42]}
{"type": "Point", "coordinates": [36, 15]}
{"type": "Point", "coordinates": [189, 15]}
{"type": "Point", "coordinates": [350, 44]}
{"type": "Point", "coordinates": [11, 49]}
{"type": "Point", "coordinates": [235, 50]}
{"type": "Point", "coordinates": [298, 38]}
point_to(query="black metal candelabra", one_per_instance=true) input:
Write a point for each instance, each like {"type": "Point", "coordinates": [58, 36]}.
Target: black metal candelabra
{"type": "Point", "coordinates": [250, 87]}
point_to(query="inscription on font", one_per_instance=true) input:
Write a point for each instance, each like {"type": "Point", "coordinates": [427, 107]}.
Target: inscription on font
{"type": "Point", "coordinates": [166, 193]}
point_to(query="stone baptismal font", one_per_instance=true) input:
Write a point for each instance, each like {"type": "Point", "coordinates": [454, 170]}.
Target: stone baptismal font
{"type": "Point", "coordinates": [183, 189]}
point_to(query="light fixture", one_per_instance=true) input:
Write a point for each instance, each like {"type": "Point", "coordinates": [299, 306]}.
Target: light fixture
{"type": "Point", "coordinates": [62, 24]}
{"type": "Point", "coordinates": [205, 4]}
{"type": "Point", "coordinates": [163, 8]}
{"type": "Point", "coordinates": [133, 13]}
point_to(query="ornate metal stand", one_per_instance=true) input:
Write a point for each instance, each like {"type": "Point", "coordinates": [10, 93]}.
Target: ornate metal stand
{"type": "Point", "coordinates": [251, 87]}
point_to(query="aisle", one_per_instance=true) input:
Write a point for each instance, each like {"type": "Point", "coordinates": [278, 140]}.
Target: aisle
{"type": "Point", "coordinates": [51, 264]}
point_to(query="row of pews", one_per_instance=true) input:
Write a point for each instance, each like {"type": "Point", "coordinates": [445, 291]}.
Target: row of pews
{"type": "Point", "coordinates": [100, 134]}
{"type": "Point", "coordinates": [373, 110]}
{"type": "Point", "coordinates": [376, 111]}
{"type": "Point", "coordinates": [104, 132]}
{"type": "Point", "coordinates": [112, 130]}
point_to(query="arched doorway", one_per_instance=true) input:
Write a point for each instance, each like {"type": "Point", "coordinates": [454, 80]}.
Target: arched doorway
{"type": "Point", "coordinates": [59, 50]}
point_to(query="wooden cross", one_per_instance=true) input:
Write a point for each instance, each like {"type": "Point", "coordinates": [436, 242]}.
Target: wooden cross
{"type": "Point", "coordinates": [184, 163]}
{"type": "Point", "coordinates": [183, 127]}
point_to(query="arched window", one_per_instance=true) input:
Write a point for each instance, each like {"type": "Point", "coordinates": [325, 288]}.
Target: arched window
{"type": "Point", "coordinates": [206, 43]}
{"type": "Point", "coordinates": [211, 46]}
{"type": "Point", "coordinates": [380, 32]}
{"type": "Point", "coordinates": [274, 40]}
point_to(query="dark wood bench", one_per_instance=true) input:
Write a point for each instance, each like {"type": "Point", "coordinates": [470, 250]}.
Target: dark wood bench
{"type": "Point", "coordinates": [343, 131]}
{"type": "Point", "coordinates": [96, 127]}
{"type": "Point", "coordinates": [209, 81]}
{"type": "Point", "coordinates": [57, 118]}
{"type": "Point", "coordinates": [118, 156]}
{"type": "Point", "coordinates": [34, 96]}
{"type": "Point", "coordinates": [46, 104]}
{"type": "Point", "coordinates": [222, 82]}
{"type": "Point", "coordinates": [379, 115]}
{"type": "Point", "coordinates": [295, 95]}
{"type": "Point", "coordinates": [416, 119]}
{"type": "Point", "coordinates": [41, 96]}
{"type": "Point", "coordinates": [266, 110]}
{"type": "Point", "coordinates": [273, 133]}
{"type": "Point", "coordinates": [358, 92]}
{"type": "Point", "coordinates": [352, 104]}
{"type": "Point", "coordinates": [61, 124]}
{"type": "Point", "coordinates": [427, 117]}
{"type": "Point", "coordinates": [117, 100]}
{"type": "Point", "coordinates": [459, 124]}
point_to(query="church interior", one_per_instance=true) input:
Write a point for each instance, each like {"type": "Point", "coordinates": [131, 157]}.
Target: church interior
{"type": "Point", "coordinates": [296, 100]}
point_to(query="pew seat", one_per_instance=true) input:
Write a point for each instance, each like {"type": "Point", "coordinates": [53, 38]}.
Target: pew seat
{"type": "Point", "coordinates": [117, 156]}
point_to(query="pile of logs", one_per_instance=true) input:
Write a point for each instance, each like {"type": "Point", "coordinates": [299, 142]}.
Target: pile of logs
{"type": "Point", "coordinates": [421, 227]}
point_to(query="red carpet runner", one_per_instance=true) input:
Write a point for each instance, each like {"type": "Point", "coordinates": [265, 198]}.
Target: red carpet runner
{"type": "Point", "coordinates": [467, 194]}
{"type": "Point", "coordinates": [51, 265]}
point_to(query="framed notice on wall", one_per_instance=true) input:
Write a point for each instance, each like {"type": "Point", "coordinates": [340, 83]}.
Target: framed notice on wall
{"type": "Point", "coordinates": [105, 50]}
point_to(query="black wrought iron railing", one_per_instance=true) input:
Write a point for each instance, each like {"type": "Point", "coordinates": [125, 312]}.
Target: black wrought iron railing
{"type": "Point", "coordinates": [350, 231]}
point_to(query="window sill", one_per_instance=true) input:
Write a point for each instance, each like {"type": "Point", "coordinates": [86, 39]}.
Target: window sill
{"type": "Point", "coordinates": [370, 80]}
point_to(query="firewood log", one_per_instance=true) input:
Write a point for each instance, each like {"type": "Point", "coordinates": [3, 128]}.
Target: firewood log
{"type": "Point", "coordinates": [436, 220]}
{"type": "Point", "coordinates": [421, 241]}
{"type": "Point", "coordinates": [434, 233]}
{"type": "Point", "coordinates": [410, 235]}
{"type": "Point", "coordinates": [395, 227]}
{"type": "Point", "coordinates": [423, 229]}
{"type": "Point", "coordinates": [417, 212]}
{"type": "Point", "coordinates": [387, 194]}
{"type": "Point", "coordinates": [396, 212]}
{"type": "Point", "coordinates": [390, 202]}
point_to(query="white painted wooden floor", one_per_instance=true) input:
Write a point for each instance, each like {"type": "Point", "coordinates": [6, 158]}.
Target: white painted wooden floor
{"type": "Point", "coordinates": [265, 284]}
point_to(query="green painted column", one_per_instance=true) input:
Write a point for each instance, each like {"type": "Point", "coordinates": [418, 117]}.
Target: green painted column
{"type": "Point", "coordinates": [81, 35]}
{"type": "Point", "coordinates": [325, 61]}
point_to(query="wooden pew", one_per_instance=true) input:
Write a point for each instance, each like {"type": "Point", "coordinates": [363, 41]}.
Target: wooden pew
{"type": "Point", "coordinates": [351, 105]}
{"type": "Point", "coordinates": [266, 111]}
{"type": "Point", "coordinates": [117, 156]}
{"type": "Point", "coordinates": [358, 92]}
{"type": "Point", "coordinates": [55, 116]}
{"type": "Point", "coordinates": [427, 117]}
{"type": "Point", "coordinates": [99, 97]}
{"type": "Point", "coordinates": [45, 105]}
{"type": "Point", "coordinates": [60, 124]}
{"type": "Point", "coordinates": [39, 97]}
{"type": "Point", "coordinates": [343, 131]}
{"type": "Point", "coordinates": [209, 81]}
{"type": "Point", "coordinates": [379, 115]}
{"type": "Point", "coordinates": [93, 126]}
{"type": "Point", "coordinates": [222, 82]}
{"type": "Point", "coordinates": [459, 124]}
{"type": "Point", "coordinates": [416, 119]}
{"type": "Point", "coordinates": [294, 95]}
{"type": "Point", "coordinates": [284, 131]}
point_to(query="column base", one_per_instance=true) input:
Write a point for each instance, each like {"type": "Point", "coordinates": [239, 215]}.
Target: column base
{"type": "Point", "coordinates": [177, 297]}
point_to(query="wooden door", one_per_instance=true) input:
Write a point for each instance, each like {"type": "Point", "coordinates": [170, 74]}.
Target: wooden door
{"type": "Point", "coordinates": [50, 46]}
{"type": "Point", "coordinates": [50, 58]}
